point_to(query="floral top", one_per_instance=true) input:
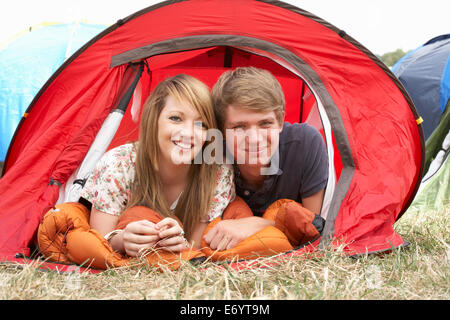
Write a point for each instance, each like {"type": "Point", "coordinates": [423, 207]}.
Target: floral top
{"type": "Point", "coordinates": [108, 186]}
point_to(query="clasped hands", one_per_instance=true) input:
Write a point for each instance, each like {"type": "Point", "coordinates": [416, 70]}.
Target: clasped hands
{"type": "Point", "coordinates": [143, 235]}
{"type": "Point", "coordinates": [168, 235]}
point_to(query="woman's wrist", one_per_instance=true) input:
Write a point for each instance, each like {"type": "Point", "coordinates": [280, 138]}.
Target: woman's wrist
{"type": "Point", "coordinates": [115, 240]}
{"type": "Point", "coordinates": [111, 234]}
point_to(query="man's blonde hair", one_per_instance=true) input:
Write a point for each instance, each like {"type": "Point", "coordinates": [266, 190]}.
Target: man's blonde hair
{"type": "Point", "coordinates": [250, 88]}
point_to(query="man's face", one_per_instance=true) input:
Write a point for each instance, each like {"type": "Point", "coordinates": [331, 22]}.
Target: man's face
{"type": "Point", "coordinates": [251, 136]}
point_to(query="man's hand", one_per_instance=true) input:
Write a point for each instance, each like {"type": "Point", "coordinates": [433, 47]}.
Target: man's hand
{"type": "Point", "coordinates": [228, 233]}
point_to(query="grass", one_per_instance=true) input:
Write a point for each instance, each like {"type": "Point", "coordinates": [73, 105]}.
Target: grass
{"type": "Point", "coordinates": [418, 272]}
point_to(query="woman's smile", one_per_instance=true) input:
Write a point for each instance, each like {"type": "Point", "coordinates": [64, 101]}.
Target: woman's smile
{"type": "Point", "coordinates": [183, 145]}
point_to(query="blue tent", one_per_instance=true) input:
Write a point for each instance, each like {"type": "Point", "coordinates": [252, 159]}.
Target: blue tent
{"type": "Point", "coordinates": [425, 73]}
{"type": "Point", "coordinates": [28, 61]}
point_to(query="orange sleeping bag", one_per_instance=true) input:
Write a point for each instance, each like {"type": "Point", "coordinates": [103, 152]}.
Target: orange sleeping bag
{"type": "Point", "coordinates": [65, 236]}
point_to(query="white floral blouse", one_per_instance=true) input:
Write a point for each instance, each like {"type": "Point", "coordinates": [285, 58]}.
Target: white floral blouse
{"type": "Point", "coordinates": [108, 186]}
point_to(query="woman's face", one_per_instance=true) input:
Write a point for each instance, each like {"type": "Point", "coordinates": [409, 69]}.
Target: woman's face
{"type": "Point", "coordinates": [181, 132]}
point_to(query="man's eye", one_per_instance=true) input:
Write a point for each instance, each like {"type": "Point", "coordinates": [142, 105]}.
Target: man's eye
{"type": "Point", "coordinates": [238, 127]}
{"type": "Point", "coordinates": [266, 124]}
{"type": "Point", "coordinates": [175, 118]}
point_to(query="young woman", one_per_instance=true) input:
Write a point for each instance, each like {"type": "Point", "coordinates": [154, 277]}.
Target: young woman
{"type": "Point", "coordinates": [159, 172]}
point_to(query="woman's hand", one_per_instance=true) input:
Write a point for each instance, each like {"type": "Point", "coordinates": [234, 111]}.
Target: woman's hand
{"type": "Point", "coordinates": [171, 235]}
{"type": "Point", "coordinates": [139, 236]}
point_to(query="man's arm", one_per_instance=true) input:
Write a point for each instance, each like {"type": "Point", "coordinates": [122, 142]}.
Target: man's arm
{"type": "Point", "coordinates": [228, 233]}
{"type": "Point", "coordinates": [314, 203]}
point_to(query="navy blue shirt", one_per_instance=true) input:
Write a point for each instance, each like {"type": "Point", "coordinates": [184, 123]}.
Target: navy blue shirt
{"type": "Point", "coordinates": [302, 170]}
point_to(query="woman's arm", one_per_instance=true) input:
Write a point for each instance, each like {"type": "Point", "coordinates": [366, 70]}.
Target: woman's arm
{"type": "Point", "coordinates": [105, 223]}
{"type": "Point", "coordinates": [102, 222]}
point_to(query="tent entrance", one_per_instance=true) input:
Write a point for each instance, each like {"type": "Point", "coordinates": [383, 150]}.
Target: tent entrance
{"type": "Point", "coordinates": [207, 64]}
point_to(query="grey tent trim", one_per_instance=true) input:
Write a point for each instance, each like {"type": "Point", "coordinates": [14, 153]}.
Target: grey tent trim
{"type": "Point", "coordinates": [206, 41]}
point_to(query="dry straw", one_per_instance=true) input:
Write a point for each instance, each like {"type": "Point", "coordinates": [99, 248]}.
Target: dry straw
{"type": "Point", "coordinates": [420, 271]}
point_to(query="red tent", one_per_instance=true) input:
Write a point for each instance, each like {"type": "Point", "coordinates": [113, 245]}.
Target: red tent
{"type": "Point", "coordinates": [369, 123]}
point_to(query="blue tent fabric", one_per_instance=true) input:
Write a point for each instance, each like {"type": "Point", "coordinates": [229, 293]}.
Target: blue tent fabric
{"type": "Point", "coordinates": [26, 64]}
{"type": "Point", "coordinates": [445, 86]}
{"type": "Point", "coordinates": [425, 73]}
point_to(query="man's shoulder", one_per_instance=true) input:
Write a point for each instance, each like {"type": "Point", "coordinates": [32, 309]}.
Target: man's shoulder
{"type": "Point", "coordinates": [297, 132]}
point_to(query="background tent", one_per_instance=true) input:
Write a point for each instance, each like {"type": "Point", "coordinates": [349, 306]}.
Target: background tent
{"type": "Point", "coordinates": [425, 73]}
{"type": "Point", "coordinates": [370, 126]}
{"type": "Point", "coordinates": [26, 63]}
{"type": "Point", "coordinates": [434, 191]}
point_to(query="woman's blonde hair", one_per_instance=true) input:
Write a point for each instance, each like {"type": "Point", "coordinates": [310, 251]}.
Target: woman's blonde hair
{"type": "Point", "coordinates": [250, 88]}
{"type": "Point", "coordinates": [147, 189]}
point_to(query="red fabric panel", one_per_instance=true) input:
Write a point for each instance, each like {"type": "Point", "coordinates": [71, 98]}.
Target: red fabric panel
{"type": "Point", "coordinates": [337, 159]}
{"type": "Point", "coordinates": [207, 66]}
{"type": "Point", "coordinates": [309, 101]}
{"type": "Point", "coordinates": [18, 229]}
{"type": "Point", "coordinates": [128, 130]}
{"type": "Point", "coordinates": [52, 142]}
{"type": "Point", "coordinates": [377, 240]}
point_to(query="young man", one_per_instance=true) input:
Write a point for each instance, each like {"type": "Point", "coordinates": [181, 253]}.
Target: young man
{"type": "Point", "coordinates": [272, 160]}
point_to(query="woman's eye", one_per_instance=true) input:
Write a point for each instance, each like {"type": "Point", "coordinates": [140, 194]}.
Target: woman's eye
{"type": "Point", "coordinates": [200, 124]}
{"type": "Point", "coordinates": [239, 127]}
{"type": "Point", "coordinates": [175, 118]}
